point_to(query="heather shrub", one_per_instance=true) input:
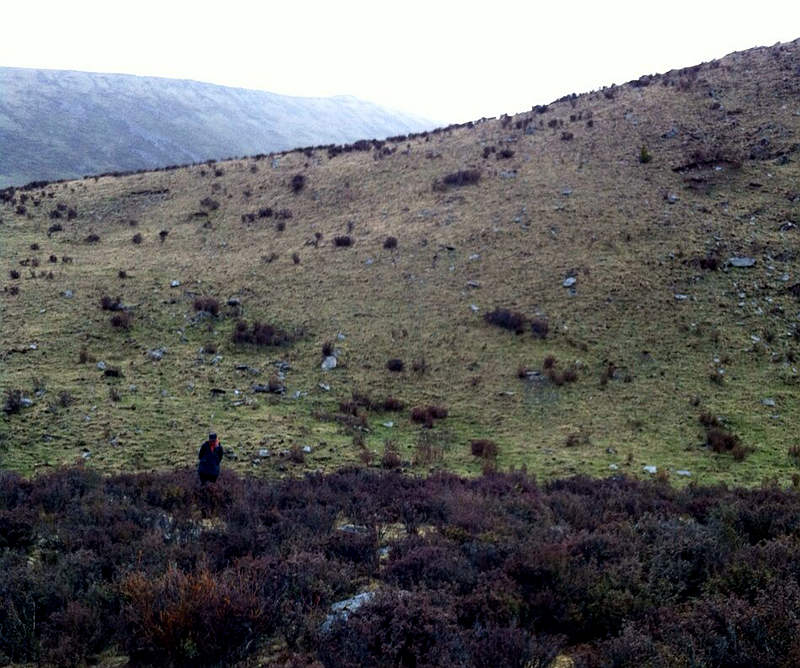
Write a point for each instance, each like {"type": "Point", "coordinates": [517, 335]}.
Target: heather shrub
{"type": "Point", "coordinates": [395, 364]}
{"type": "Point", "coordinates": [483, 447]}
{"type": "Point", "coordinates": [111, 304]}
{"type": "Point", "coordinates": [392, 404]}
{"type": "Point", "coordinates": [342, 241]}
{"type": "Point", "coordinates": [297, 183]}
{"type": "Point", "coordinates": [162, 235]}
{"type": "Point", "coordinates": [137, 238]}
{"type": "Point", "coordinates": [540, 327]}
{"type": "Point", "coordinates": [507, 319]}
{"type": "Point", "coordinates": [13, 273]}
{"type": "Point", "coordinates": [263, 334]}
{"type": "Point", "coordinates": [92, 238]}
{"type": "Point", "coordinates": [390, 243]}
{"type": "Point", "coordinates": [464, 177]}
{"type": "Point", "coordinates": [207, 305]}
{"type": "Point", "coordinates": [122, 320]}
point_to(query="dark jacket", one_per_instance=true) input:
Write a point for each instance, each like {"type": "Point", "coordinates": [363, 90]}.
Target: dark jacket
{"type": "Point", "coordinates": [209, 461]}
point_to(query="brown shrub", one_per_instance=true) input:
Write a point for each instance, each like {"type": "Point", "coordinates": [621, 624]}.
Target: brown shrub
{"type": "Point", "coordinates": [391, 455]}
{"type": "Point", "coordinates": [207, 304]}
{"type": "Point", "coordinates": [122, 320]}
{"type": "Point", "coordinates": [483, 447]}
{"type": "Point", "coordinates": [395, 364]}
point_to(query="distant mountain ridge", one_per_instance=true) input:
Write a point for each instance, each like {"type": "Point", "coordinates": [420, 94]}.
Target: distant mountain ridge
{"type": "Point", "coordinates": [58, 124]}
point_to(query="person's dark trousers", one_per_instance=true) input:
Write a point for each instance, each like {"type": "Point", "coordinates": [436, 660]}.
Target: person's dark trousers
{"type": "Point", "coordinates": [208, 477]}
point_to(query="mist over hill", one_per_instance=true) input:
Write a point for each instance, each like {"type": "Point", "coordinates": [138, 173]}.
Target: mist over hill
{"type": "Point", "coordinates": [64, 124]}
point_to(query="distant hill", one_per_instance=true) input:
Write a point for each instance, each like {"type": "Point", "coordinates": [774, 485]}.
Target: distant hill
{"type": "Point", "coordinates": [62, 124]}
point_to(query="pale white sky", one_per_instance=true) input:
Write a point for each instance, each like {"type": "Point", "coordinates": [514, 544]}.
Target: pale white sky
{"type": "Point", "coordinates": [448, 61]}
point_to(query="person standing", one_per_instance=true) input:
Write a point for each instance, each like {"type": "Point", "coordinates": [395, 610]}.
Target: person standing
{"type": "Point", "coordinates": [209, 457]}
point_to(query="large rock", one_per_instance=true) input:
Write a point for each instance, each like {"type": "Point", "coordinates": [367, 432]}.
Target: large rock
{"type": "Point", "coordinates": [329, 363]}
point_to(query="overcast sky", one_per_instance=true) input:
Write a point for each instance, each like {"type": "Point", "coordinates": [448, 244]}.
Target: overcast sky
{"type": "Point", "coordinates": [447, 61]}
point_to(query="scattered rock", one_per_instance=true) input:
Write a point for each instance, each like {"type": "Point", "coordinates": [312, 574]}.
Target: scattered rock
{"type": "Point", "coordinates": [474, 308]}
{"type": "Point", "coordinates": [566, 192]}
{"type": "Point", "coordinates": [174, 284]}
{"type": "Point", "coordinates": [680, 297]}
{"type": "Point", "coordinates": [388, 424]}
{"type": "Point", "coordinates": [569, 281]}
{"type": "Point", "coordinates": [742, 262]}
{"type": "Point", "coordinates": [474, 256]}
{"type": "Point", "coordinates": [25, 402]}
{"type": "Point", "coordinates": [329, 363]}
{"type": "Point", "coordinates": [340, 336]}
{"type": "Point", "coordinates": [307, 449]}
{"type": "Point", "coordinates": [341, 610]}
{"type": "Point", "coordinates": [69, 294]}
{"type": "Point", "coordinates": [101, 365]}
{"type": "Point", "coordinates": [325, 387]}
{"type": "Point", "coordinates": [473, 284]}
{"type": "Point", "coordinates": [669, 134]}
{"type": "Point", "coordinates": [672, 198]}
{"type": "Point", "coordinates": [768, 402]}
{"type": "Point", "coordinates": [263, 452]}
{"type": "Point", "coordinates": [354, 528]}
{"type": "Point", "coordinates": [234, 301]}
{"type": "Point", "coordinates": [650, 469]}
{"type": "Point", "coordinates": [684, 473]}
{"type": "Point", "coordinates": [508, 174]}
{"type": "Point", "coordinates": [156, 354]}
{"type": "Point", "coordinates": [613, 467]}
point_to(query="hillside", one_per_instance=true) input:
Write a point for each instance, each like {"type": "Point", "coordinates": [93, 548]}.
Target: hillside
{"type": "Point", "coordinates": [63, 124]}
{"type": "Point", "coordinates": [619, 218]}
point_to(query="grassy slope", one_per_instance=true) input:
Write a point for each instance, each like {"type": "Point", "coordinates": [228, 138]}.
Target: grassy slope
{"type": "Point", "coordinates": [626, 244]}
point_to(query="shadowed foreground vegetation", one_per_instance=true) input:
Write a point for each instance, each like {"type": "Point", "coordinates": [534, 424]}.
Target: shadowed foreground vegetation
{"type": "Point", "coordinates": [491, 571]}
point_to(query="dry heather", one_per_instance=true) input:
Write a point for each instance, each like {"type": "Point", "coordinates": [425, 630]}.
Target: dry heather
{"type": "Point", "coordinates": [610, 216]}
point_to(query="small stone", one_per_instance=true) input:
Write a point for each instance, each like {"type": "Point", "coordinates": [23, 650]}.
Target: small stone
{"type": "Point", "coordinates": [26, 402]}
{"type": "Point", "coordinates": [680, 297]}
{"type": "Point", "coordinates": [174, 284]}
{"type": "Point", "coordinates": [473, 284]}
{"type": "Point", "coordinates": [508, 174]}
{"type": "Point", "coordinates": [474, 308]}
{"type": "Point", "coordinates": [672, 198]}
{"type": "Point", "coordinates": [650, 469]}
{"type": "Point", "coordinates": [784, 277]}
{"type": "Point", "coordinates": [388, 424]}
{"type": "Point", "coordinates": [684, 473]}
{"type": "Point", "coordinates": [234, 301]}
{"type": "Point", "coordinates": [101, 365]}
{"type": "Point", "coordinates": [69, 294]}
{"type": "Point", "coordinates": [307, 449]}
{"type": "Point", "coordinates": [569, 281]}
{"type": "Point", "coordinates": [768, 402]}
{"type": "Point", "coordinates": [216, 359]}
{"type": "Point", "coordinates": [325, 387]}
{"type": "Point", "coordinates": [329, 363]}
{"type": "Point", "coordinates": [263, 452]}
{"type": "Point", "coordinates": [340, 336]}
{"type": "Point", "coordinates": [742, 262]}
{"type": "Point", "coordinates": [613, 467]}
{"type": "Point", "coordinates": [368, 261]}
{"type": "Point", "coordinates": [474, 256]}
{"type": "Point", "coordinates": [566, 192]}
{"type": "Point", "coordinates": [86, 454]}
{"type": "Point", "coordinates": [156, 354]}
